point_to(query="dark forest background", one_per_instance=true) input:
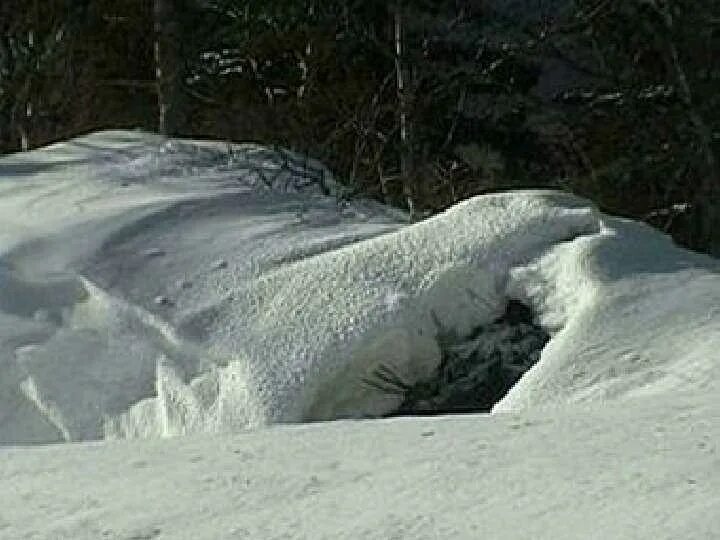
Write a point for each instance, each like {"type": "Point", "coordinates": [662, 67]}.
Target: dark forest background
{"type": "Point", "coordinates": [417, 103]}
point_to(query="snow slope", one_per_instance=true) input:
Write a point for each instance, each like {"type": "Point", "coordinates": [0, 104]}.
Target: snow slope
{"type": "Point", "coordinates": [152, 288]}
{"type": "Point", "coordinates": [633, 315]}
{"type": "Point", "coordinates": [119, 254]}
{"type": "Point", "coordinates": [638, 470]}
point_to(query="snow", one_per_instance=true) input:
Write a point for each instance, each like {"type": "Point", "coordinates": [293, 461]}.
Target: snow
{"type": "Point", "coordinates": [644, 318]}
{"type": "Point", "coordinates": [643, 470]}
{"type": "Point", "coordinates": [208, 292]}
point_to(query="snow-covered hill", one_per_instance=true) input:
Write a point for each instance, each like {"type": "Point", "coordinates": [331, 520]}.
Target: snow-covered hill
{"type": "Point", "coordinates": [151, 288]}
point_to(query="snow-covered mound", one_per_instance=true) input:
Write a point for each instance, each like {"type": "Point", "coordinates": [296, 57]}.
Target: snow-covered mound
{"type": "Point", "coordinates": [631, 314]}
{"type": "Point", "coordinates": [151, 288]}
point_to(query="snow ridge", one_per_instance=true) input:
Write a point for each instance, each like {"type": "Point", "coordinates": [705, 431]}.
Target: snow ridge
{"type": "Point", "coordinates": [310, 332]}
{"type": "Point", "coordinates": [150, 289]}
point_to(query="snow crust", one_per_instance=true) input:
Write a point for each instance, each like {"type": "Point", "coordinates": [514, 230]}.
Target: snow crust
{"type": "Point", "coordinates": [151, 288]}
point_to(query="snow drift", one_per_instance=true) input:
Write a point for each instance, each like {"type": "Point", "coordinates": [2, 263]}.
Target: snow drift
{"type": "Point", "coordinates": [152, 288]}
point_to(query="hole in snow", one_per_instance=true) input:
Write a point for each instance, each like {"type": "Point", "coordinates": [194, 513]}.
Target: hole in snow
{"type": "Point", "coordinates": [475, 372]}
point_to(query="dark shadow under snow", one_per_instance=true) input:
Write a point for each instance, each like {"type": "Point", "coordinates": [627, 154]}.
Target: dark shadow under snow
{"type": "Point", "coordinates": [476, 371]}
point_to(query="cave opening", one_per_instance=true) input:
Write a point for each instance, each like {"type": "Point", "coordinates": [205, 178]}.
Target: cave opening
{"type": "Point", "coordinates": [476, 371]}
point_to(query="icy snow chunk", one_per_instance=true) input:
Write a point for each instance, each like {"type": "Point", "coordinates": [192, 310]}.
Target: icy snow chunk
{"type": "Point", "coordinates": [162, 301]}
{"type": "Point", "coordinates": [153, 252]}
{"type": "Point", "coordinates": [220, 264]}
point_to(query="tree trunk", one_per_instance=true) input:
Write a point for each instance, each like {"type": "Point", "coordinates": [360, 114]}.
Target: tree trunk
{"type": "Point", "coordinates": [406, 165]}
{"type": "Point", "coordinates": [169, 66]}
{"type": "Point", "coordinates": [402, 99]}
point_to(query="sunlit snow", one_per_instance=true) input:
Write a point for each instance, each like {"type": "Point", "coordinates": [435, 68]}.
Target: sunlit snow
{"type": "Point", "coordinates": [153, 288]}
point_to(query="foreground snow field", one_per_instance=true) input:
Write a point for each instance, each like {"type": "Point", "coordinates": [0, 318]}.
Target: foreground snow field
{"type": "Point", "coordinates": [153, 288]}
{"type": "Point", "coordinates": [646, 469]}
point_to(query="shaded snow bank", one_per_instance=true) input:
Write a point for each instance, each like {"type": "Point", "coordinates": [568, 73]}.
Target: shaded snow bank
{"type": "Point", "coordinates": [151, 288]}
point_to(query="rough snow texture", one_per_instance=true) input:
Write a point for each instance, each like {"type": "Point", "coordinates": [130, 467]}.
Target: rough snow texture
{"type": "Point", "coordinates": [152, 288]}
{"type": "Point", "coordinates": [645, 469]}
